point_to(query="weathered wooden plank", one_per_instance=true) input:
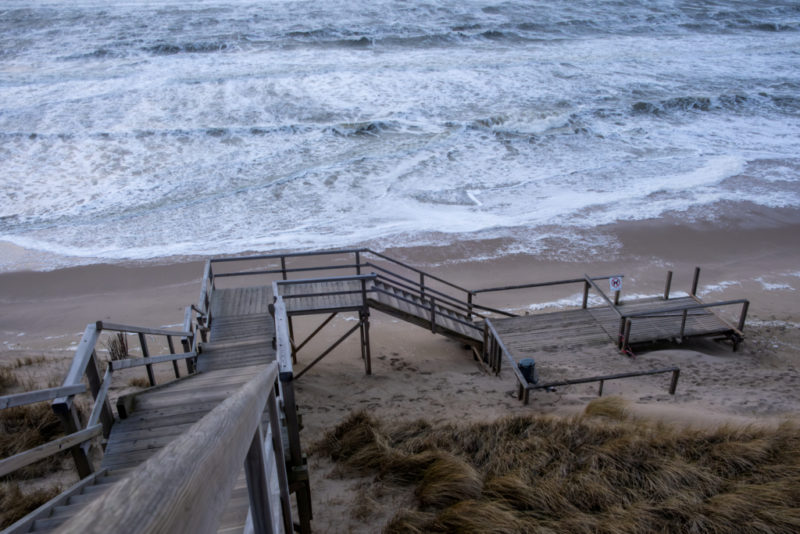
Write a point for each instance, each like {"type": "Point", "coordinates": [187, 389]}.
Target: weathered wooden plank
{"type": "Point", "coordinates": [128, 363]}
{"type": "Point", "coordinates": [140, 330]}
{"type": "Point", "coordinates": [29, 397]}
{"type": "Point", "coordinates": [176, 479]}
{"type": "Point", "coordinates": [24, 524]}
{"type": "Point", "coordinates": [12, 463]}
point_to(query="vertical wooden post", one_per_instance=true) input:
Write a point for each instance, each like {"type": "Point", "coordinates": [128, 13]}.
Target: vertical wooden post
{"type": "Point", "coordinates": [743, 315]}
{"type": "Point", "coordinates": [303, 493]}
{"type": "Point", "coordinates": [695, 280]}
{"type": "Point", "coordinates": [600, 391]}
{"type": "Point", "coordinates": [146, 354]}
{"type": "Point", "coordinates": [485, 341]}
{"type": "Point", "coordinates": [174, 362]}
{"type": "Point", "coordinates": [585, 295]}
{"type": "Point", "coordinates": [257, 485]}
{"type": "Point", "coordinates": [626, 338]}
{"type": "Point", "coordinates": [422, 285]}
{"type": "Point", "coordinates": [358, 262]}
{"type": "Point", "coordinates": [187, 342]}
{"type": "Point", "coordinates": [70, 421]}
{"type": "Point", "coordinates": [616, 297]}
{"type": "Point", "coordinates": [367, 352]}
{"type": "Point", "coordinates": [283, 267]}
{"type": "Point", "coordinates": [683, 323]}
{"type": "Point", "coordinates": [291, 338]}
{"type": "Point", "coordinates": [469, 305]}
{"type": "Point", "coordinates": [280, 460]}
{"type": "Point", "coordinates": [433, 315]}
{"type": "Point", "coordinates": [674, 382]}
{"type": "Point", "coordinates": [95, 381]}
{"type": "Point", "coordinates": [668, 285]}
{"type": "Point", "coordinates": [620, 342]}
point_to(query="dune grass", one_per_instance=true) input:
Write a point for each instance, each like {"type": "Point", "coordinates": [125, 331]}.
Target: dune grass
{"type": "Point", "coordinates": [600, 472]}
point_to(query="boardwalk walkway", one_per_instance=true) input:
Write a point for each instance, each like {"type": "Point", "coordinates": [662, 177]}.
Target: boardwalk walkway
{"type": "Point", "coordinates": [240, 345]}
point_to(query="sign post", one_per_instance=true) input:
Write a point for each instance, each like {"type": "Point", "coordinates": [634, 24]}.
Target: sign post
{"type": "Point", "coordinates": [615, 283]}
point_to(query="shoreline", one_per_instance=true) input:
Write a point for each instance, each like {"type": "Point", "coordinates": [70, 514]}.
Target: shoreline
{"type": "Point", "coordinates": [760, 264]}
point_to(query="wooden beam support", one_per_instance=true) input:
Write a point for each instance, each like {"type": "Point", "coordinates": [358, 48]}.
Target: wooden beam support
{"type": "Point", "coordinates": [145, 355]}
{"type": "Point", "coordinates": [40, 395]}
{"type": "Point", "coordinates": [668, 285]}
{"type": "Point", "coordinates": [695, 281]}
{"type": "Point", "coordinates": [128, 363]}
{"type": "Point", "coordinates": [12, 463]}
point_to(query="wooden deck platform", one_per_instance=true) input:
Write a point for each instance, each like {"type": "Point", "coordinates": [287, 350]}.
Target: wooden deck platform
{"type": "Point", "coordinates": [567, 330]}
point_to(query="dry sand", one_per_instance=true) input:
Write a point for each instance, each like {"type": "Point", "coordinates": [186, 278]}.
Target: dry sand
{"type": "Point", "coordinates": [417, 374]}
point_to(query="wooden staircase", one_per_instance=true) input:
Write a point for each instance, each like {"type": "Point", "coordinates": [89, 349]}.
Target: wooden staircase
{"type": "Point", "coordinates": [69, 503]}
{"type": "Point", "coordinates": [417, 308]}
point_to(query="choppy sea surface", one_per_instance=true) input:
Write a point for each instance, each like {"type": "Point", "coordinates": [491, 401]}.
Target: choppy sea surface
{"type": "Point", "coordinates": [140, 129]}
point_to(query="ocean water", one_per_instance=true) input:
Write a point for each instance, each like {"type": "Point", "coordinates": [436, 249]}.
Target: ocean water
{"type": "Point", "coordinates": [147, 129]}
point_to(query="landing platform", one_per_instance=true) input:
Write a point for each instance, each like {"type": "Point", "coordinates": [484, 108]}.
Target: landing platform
{"type": "Point", "coordinates": [529, 335]}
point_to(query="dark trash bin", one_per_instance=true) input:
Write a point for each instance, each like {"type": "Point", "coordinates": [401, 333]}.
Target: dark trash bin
{"type": "Point", "coordinates": [528, 369]}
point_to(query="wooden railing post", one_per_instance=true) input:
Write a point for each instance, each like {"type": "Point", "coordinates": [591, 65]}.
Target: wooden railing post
{"type": "Point", "coordinates": [358, 262]}
{"type": "Point", "coordinates": [146, 354]}
{"type": "Point", "coordinates": [626, 338]}
{"type": "Point", "coordinates": [95, 382]}
{"type": "Point", "coordinates": [621, 341]}
{"type": "Point", "coordinates": [422, 285]}
{"type": "Point", "coordinates": [743, 315]}
{"type": "Point", "coordinates": [280, 459]}
{"type": "Point", "coordinates": [676, 373]}
{"type": "Point", "coordinates": [174, 362]}
{"type": "Point", "coordinates": [485, 341]}
{"type": "Point", "coordinates": [585, 294]}
{"type": "Point", "coordinates": [283, 267]}
{"type": "Point", "coordinates": [683, 323]}
{"type": "Point", "coordinates": [433, 315]}
{"type": "Point", "coordinates": [257, 485]}
{"type": "Point", "coordinates": [70, 421]}
{"type": "Point", "coordinates": [667, 285]}
{"type": "Point", "coordinates": [188, 342]}
{"type": "Point", "coordinates": [469, 304]}
{"type": "Point", "coordinates": [695, 280]}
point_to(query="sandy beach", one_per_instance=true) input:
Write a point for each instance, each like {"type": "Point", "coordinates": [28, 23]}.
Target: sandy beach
{"type": "Point", "coordinates": [420, 375]}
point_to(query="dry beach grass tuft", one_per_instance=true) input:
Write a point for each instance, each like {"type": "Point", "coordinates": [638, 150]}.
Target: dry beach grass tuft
{"type": "Point", "coordinates": [601, 471]}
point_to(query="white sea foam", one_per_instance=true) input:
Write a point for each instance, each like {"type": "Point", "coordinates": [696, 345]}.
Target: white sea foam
{"type": "Point", "coordinates": [143, 130]}
{"type": "Point", "coordinates": [774, 286]}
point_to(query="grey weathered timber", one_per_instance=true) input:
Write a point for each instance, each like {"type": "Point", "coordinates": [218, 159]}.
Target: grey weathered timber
{"type": "Point", "coordinates": [12, 463]}
{"type": "Point", "coordinates": [29, 397]}
{"type": "Point", "coordinates": [47, 509]}
{"type": "Point", "coordinates": [129, 363]}
{"type": "Point", "coordinates": [102, 325]}
{"type": "Point", "coordinates": [177, 478]}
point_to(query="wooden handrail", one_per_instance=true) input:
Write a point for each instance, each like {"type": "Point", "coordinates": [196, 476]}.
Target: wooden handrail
{"type": "Point", "coordinates": [602, 294]}
{"type": "Point", "coordinates": [18, 461]}
{"type": "Point", "coordinates": [281, 271]}
{"type": "Point", "coordinates": [687, 307]}
{"type": "Point", "coordinates": [112, 327]}
{"type": "Point", "coordinates": [128, 363]}
{"type": "Point", "coordinates": [506, 352]}
{"type": "Point", "coordinates": [39, 395]}
{"type": "Point", "coordinates": [543, 284]}
{"type": "Point", "coordinates": [171, 490]}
